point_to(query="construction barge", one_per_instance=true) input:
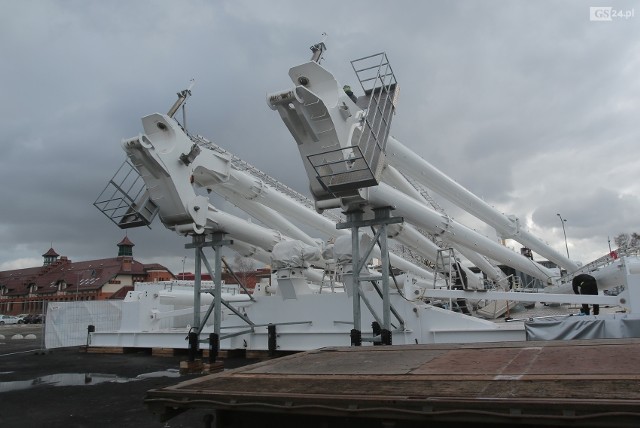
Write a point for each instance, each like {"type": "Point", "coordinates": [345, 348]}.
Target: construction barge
{"type": "Point", "coordinates": [591, 383]}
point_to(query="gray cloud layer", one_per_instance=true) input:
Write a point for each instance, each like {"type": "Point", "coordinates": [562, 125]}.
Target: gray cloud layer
{"type": "Point", "coordinates": [528, 104]}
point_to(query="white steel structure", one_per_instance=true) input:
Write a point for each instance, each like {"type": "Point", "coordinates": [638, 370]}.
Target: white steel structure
{"type": "Point", "coordinates": [352, 164]}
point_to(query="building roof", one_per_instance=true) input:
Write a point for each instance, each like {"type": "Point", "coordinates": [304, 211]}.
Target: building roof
{"type": "Point", "coordinates": [51, 253]}
{"type": "Point", "coordinates": [126, 242]}
{"type": "Point", "coordinates": [81, 276]}
{"type": "Point", "coordinates": [121, 293]}
{"type": "Point", "coordinates": [153, 266]}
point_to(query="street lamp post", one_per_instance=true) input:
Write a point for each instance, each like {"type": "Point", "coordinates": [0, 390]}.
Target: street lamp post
{"type": "Point", "coordinates": [563, 221]}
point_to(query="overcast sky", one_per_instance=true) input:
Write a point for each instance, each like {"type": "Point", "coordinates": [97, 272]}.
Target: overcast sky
{"type": "Point", "coordinates": [530, 105]}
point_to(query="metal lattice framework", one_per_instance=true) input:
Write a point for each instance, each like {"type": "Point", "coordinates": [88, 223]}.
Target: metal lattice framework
{"type": "Point", "coordinates": [125, 199]}
{"type": "Point", "coordinates": [266, 178]}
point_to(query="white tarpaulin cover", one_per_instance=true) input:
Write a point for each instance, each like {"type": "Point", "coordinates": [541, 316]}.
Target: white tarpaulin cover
{"type": "Point", "coordinates": [609, 326]}
{"type": "Point", "coordinates": [293, 254]}
{"type": "Point", "coordinates": [342, 252]}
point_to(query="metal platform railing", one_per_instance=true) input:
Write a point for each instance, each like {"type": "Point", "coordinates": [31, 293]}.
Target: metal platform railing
{"type": "Point", "coordinates": [381, 87]}
{"type": "Point", "coordinates": [602, 261]}
{"type": "Point", "coordinates": [125, 200]}
{"type": "Point", "coordinates": [346, 169]}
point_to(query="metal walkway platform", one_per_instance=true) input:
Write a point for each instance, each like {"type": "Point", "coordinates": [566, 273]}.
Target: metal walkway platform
{"type": "Point", "coordinates": [568, 383]}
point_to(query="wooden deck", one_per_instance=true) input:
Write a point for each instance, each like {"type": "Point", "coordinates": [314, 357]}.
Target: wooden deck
{"type": "Point", "coordinates": [575, 383]}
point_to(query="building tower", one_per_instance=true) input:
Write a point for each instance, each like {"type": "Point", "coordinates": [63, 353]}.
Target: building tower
{"type": "Point", "coordinates": [51, 256]}
{"type": "Point", "coordinates": [125, 247]}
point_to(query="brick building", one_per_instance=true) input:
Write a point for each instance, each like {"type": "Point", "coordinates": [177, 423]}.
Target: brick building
{"type": "Point", "coordinates": [61, 280]}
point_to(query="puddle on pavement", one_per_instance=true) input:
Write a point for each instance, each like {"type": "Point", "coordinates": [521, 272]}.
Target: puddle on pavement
{"type": "Point", "coordinates": [81, 379]}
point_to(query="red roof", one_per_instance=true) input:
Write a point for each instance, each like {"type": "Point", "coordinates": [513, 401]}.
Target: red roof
{"type": "Point", "coordinates": [81, 276]}
{"type": "Point", "coordinates": [122, 293]}
{"type": "Point", "coordinates": [153, 266]}
{"type": "Point", "coordinates": [126, 242]}
{"type": "Point", "coordinates": [51, 253]}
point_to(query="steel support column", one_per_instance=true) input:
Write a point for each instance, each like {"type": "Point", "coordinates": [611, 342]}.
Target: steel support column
{"type": "Point", "coordinates": [384, 214]}
{"type": "Point", "coordinates": [198, 242]}
{"type": "Point", "coordinates": [355, 221]}
{"type": "Point", "coordinates": [216, 242]}
{"type": "Point", "coordinates": [354, 218]}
